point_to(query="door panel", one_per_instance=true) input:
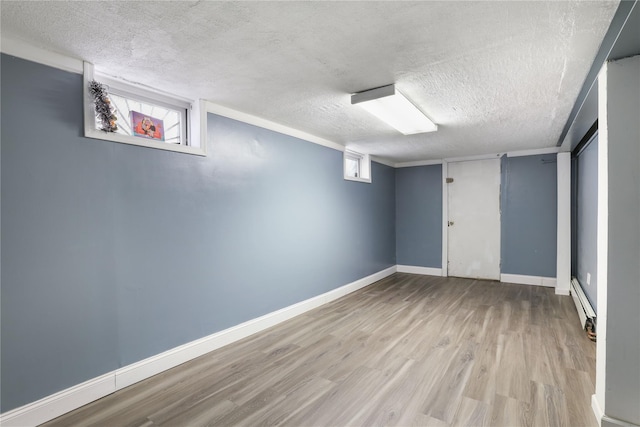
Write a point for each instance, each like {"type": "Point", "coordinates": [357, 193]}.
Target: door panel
{"type": "Point", "coordinates": [474, 219]}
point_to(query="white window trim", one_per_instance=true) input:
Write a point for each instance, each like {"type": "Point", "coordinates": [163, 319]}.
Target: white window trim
{"type": "Point", "coordinates": [365, 166]}
{"type": "Point", "coordinates": [196, 119]}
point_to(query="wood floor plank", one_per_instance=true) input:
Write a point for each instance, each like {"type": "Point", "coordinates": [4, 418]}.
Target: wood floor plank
{"type": "Point", "coordinates": [482, 380]}
{"type": "Point", "coordinates": [472, 413]}
{"type": "Point", "coordinates": [343, 403]}
{"type": "Point", "coordinates": [421, 420]}
{"type": "Point", "coordinates": [548, 406]}
{"type": "Point", "coordinates": [427, 375]}
{"type": "Point", "coordinates": [505, 412]}
{"type": "Point", "coordinates": [447, 395]}
{"type": "Point", "coordinates": [407, 350]}
{"type": "Point", "coordinates": [296, 401]}
{"type": "Point", "coordinates": [512, 374]}
{"type": "Point", "coordinates": [390, 398]}
{"type": "Point", "coordinates": [258, 404]}
{"type": "Point", "coordinates": [205, 413]}
{"type": "Point", "coordinates": [355, 349]}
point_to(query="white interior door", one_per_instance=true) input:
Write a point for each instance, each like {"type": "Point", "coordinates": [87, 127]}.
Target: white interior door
{"type": "Point", "coordinates": [474, 219]}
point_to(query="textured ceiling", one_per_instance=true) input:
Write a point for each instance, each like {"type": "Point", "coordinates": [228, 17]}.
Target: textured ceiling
{"type": "Point", "coordinates": [495, 76]}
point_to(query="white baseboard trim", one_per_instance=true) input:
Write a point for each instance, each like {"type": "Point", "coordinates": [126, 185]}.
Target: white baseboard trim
{"type": "Point", "coordinates": [601, 416]}
{"type": "Point", "coordinates": [609, 421]}
{"type": "Point", "coordinates": [520, 279]}
{"type": "Point", "coordinates": [161, 362]}
{"type": "Point", "coordinates": [595, 407]}
{"type": "Point", "coordinates": [429, 271]}
{"type": "Point", "coordinates": [60, 403]}
{"type": "Point", "coordinates": [74, 397]}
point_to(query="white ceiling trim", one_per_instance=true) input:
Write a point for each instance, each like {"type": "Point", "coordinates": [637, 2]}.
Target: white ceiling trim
{"type": "Point", "coordinates": [522, 153]}
{"type": "Point", "coordinates": [268, 124]}
{"type": "Point", "coordinates": [417, 163]}
{"type": "Point", "coordinates": [32, 53]}
{"type": "Point", "coordinates": [471, 158]}
{"type": "Point", "coordinates": [138, 88]}
{"type": "Point", "coordinates": [383, 161]}
{"type": "Point", "coordinates": [451, 160]}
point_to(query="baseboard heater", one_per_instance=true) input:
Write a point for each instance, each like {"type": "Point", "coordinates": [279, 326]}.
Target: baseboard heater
{"type": "Point", "coordinates": [585, 312]}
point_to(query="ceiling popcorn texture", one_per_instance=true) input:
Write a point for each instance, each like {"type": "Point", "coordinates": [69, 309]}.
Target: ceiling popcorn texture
{"type": "Point", "coordinates": [494, 76]}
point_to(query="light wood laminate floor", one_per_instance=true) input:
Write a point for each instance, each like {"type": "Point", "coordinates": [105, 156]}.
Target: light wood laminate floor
{"type": "Point", "coordinates": [407, 350]}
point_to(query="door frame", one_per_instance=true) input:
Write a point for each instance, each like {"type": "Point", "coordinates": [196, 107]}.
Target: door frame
{"type": "Point", "coordinates": [445, 203]}
{"type": "Point", "coordinates": [563, 257]}
{"type": "Point", "coordinates": [445, 220]}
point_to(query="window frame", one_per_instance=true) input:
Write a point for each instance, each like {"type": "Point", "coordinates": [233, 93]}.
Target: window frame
{"type": "Point", "coordinates": [181, 108]}
{"type": "Point", "coordinates": [364, 166]}
{"type": "Point", "coordinates": [194, 121]}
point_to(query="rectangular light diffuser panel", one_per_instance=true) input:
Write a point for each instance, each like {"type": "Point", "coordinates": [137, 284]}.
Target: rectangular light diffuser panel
{"type": "Point", "coordinates": [390, 106]}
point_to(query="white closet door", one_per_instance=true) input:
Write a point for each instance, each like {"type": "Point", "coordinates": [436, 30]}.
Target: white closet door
{"type": "Point", "coordinates": [474, 219]}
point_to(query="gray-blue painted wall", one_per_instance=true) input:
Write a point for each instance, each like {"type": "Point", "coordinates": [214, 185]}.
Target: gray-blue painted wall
{"type": "Point", "coordinates": [419, 216]}
{"type": "Point", "coordinates": [529, 215]}
{"type": "Point", "coordinates": [528, 223]}
{"type": "Point", "coordinates": [112, 253]}
{"type": "Point", "coordinates": [587, 220]}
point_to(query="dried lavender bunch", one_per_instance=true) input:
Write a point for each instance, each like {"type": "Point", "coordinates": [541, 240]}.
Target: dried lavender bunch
{"type": "Point", "coordinates": [103, 106]}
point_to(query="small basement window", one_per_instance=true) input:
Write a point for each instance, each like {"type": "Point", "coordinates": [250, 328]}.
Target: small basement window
{"type": "Point", "coordinates": [357, 166]}
{"type": "Point", "coordinates": [145, 117]}
{"type": "Point", "coordinates": [148, 119]}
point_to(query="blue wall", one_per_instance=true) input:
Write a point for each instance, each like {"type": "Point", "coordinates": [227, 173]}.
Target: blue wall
{"type": "Point", "coordinates": [529, 215]}
{"type": "Point", "coordinates": [587, 220]}
{"type": "Point", "coordinates": [419, 216]}
{"type": "Point", "coordinates": [112, 253]}
{"type": "Point", "coordinates": [528, 224]}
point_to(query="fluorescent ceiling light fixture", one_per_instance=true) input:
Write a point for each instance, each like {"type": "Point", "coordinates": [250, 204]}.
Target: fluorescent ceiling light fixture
{"type": "Point", "coordinates": [390, 106]}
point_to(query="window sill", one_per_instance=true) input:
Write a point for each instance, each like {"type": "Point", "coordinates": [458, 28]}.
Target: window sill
{"type": "Point", "coordinates": [365, 180]}
{"type": "Point", "coordinates": [141, 142]}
